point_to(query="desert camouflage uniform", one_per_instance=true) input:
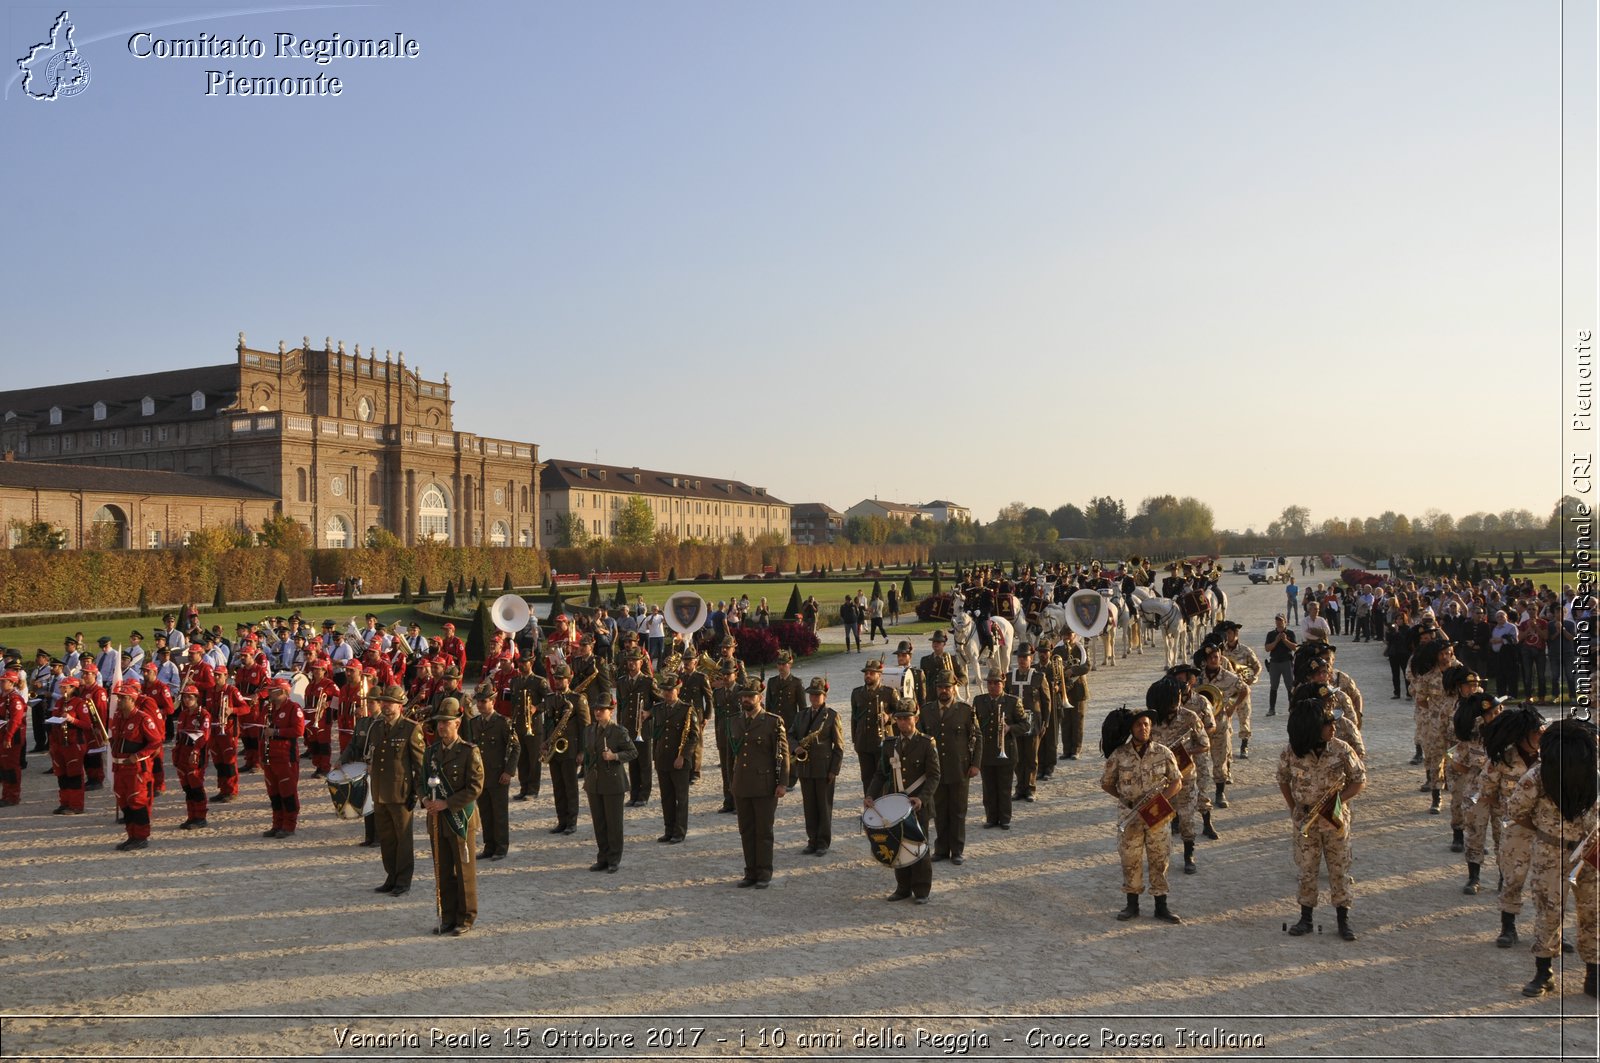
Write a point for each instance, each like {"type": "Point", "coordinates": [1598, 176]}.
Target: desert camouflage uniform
{"type": "Point", "coordinates": [1466, 770]}
{"type": "Point", "coordinates": [1434, 711]}
{"type": "Point", "coordinates": [1345, 728]}
{"type": "Point", "coordinates": [1202, 764]}
{"type": "Point", "coordinates": [1248, 666]}
{"type": "Point", "coordinates": [1186, 803]}
{"type": "Point", "coordinates": [1342, 681]}
{"type": "Point", "coordinates": [1549, 866]}
{"type": "Point", "coordinates": [1134, 776]}
{"type": "Point", "coordinates": [1222, 740]}
{"type": "Point", "coordinates": [1309, 779]}
{"type": "Point", "coordinates": [1513, 844]}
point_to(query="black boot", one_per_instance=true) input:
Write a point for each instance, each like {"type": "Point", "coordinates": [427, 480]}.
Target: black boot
{"type": "Point", "coordinates": [1591, 973]}
{"type": "Point", "coordinates": [1508, 930]}
{"type": "Point", "coordinates": [1222, 795]}
{"type": "Point", "coordinates": [1344, 924]}
{"type": "Point", "coordinates": [1303, 927]}
{"type": "Point", "coordinates": [1458, 840]}
{"type": "Point", "coordinates": [1471, 888]}
{"type": "Point", "coordinates": [1163, 913]}
{"type": "Point", "coordinates": [1208, 831]}
{"type": "Point", "coordinates": [1418, 758]}
{"type": "Point", "coordinates": [1176, 826]}
{"type": "Point", "coordinates": [1541, 983]}
{"type": "Point", "coordinates": [1244, 749]}
{"type": "Point", "coordinates": [1131, 911]}
{"type": "Point", "coordinates": [1188, 858]}
{"type": "Point", "coordinates": [1436, 799]}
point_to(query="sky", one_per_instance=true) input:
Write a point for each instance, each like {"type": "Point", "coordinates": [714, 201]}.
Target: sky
{"type": "Point", "coordinates": [1259, 253]}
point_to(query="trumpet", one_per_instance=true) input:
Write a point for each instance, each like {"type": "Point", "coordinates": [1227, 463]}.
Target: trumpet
{"type": "Point", "coordinates": [1316, 810]}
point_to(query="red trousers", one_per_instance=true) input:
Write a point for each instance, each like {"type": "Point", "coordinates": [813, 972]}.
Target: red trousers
{"type": "Point", "coordinates": [189, 760]}
{"type": "Point", "coordinates": [133, 783]}
{"type": "Point", "coordinates": [11, 770]}
{"type": "Point", "coordinates": [225, 755]}
{"type": "Point", "coordinates": [67, 760]}
{"type": "Point", "coordinates": [281, 770]}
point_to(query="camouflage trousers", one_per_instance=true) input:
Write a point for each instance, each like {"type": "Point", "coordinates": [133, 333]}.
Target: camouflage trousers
{"type": "Point", "coordinates": [1477, 820]}
{"type": "Point", "coordinates": [1243, 713]}
{"type": "Point", "coordinates": [1514, 852]}
{"type": "Point", "coordinates": [1461, 784]}
{"type": "Point", "coordinates": [1139, 845]}
{"type": "Point", "coordinates": [1186, 805]}
{"type": "Point", "coordinates": [1202, 779]}
{"type": "Point", "coordinates": [1548, 871]}
{"type": "Point", "coordinates": [1437, 738]}
{"type": "Point", "coordinates": [1222, 752]}
{"type": "Point", "coordinates": [1324, 843]}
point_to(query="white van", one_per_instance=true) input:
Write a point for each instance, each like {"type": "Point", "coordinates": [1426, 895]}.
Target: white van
{"type": "Point", "coordinates": [1265, 570]}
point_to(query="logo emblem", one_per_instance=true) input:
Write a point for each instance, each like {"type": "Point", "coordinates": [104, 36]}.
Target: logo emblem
{"type": "Point", "coordinates": [55, 69]}
{"type": "Point", "coordinates": [1087, 613]}
{"type": "Point", "coordinates": [686, 612]}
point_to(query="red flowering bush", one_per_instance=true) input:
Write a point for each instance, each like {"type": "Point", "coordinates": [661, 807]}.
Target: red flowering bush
{"type": "Point", "coordinates": [757, 645]}
{"type": "Point", "coordinates": [1356, 577]}
{"type": "Point", "coordinates": [794, 636]}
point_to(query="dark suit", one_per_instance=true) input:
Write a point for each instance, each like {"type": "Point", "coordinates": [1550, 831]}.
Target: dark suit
{"type": "Point", "coordinates": [636, 696]}
{"type": "Point", "coordinates": [819, 771]}
{"type": "Point", "coordinates": [670, 718]}
{"type": "Point", "coordinates": [564, 766]}
{"type": "Point", "coordinates": [1002, 721]}
{"type": "Point", "coordinates": [919, 768]}
{"type": "Point", "coordinates": [954, 729]}
{"type": "Point", "coordinates": [606, 782]}
{"type": "Point", "coordinates": [497, 744]}
{"type": "Point", "coordinates": [394, 770]}
{"type": "Point", "coordinates": [760, 751]}
{"type": "Point", "coordinates": [1035, 697]}
{"type": "Point", "coordinates": [527, 694]}
{"type": "Point", "coordinates": [455, 872]}
{"type": "Point", "coordinates": [868, 707]}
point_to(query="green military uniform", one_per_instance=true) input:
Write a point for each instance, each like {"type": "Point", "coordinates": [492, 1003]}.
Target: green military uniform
{"type": "Point", "coordinates": [785, 696]}
{"type": "Point", "coordinates": [676, 728]}
{"type": "Point", "coordinates": [459, 770]}
{"type": "Point", "coordinates": [636, 698]}
{"type": "Point", "coordinates": [910, 764]}
{"type": "Point", "coordinates": [820, 733]}
{"type": "Point", "coordinates": [760, 750]}
{"type": "Point", "coordinates": [394, 769]}
{"type": "Point", "coordinates": [954, 729]}
{"type": "Point", "coordinates": [696, 690]}
{"type": "Point", "coordinates": [605, 782]}
{"type": "Point", "coordinates": [527, 694]}
{"type": "Point", "coordinates": [869, 706]}
{"type": "Point", "coordinates": [938, 662]}
{"type": "Point", "coordinates": [724, 710]}
{"type": "Point", "coordinates": [1070, 665]}
{"type": "Point", "coordinates": [500, 748]}
{"type": "Point", "coordinates": [1002, 722]}
{"type": "Point", "coordinates": [1030, 689]}
{"type": "Point", "coordinates": [565, 716]}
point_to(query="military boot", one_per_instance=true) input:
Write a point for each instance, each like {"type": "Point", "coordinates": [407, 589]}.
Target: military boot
{"type": "Point", "coordinates": [1303, 927]}
{"type": "Point", "coordinates": [1222, 795]}
{"type": "Point", "coordinates": [1163, 913]}
{"type": "Point", "coordinates": [1542, 981]}
{"type": "Point", "coordinates": [1437, 798]}
{"type": "Point", "coordinates": [1208, 830]}
{"type": "Point", "coordinates": [1131, 911]}
{"type": "Point", "coordinates": [1344, 924]}
{"type": "Point", "coordinates": [1508, 930]}
{"type": "Point", "coordinates": [1458, 840]}
{"type": "Point", "coordinates": [1471, 888]}
{"type": "Point", "coordinates": [1188, 858]}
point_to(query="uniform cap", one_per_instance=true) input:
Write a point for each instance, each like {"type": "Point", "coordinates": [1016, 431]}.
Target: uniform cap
{"type": "Point", "coordinates": [485, 692]}
{"type": "Point", "coordinates": [940, 636]}
{"type": "Point", "coordinates": [872, 666]}
{"type": "Point", "coordinates": [904, 647]}
{"type": "Point", "coordinates": [562, 671]}
{"type": "Point", "coordinates": [394, 693]}
{"type": "Point", "coordinates": [751, 685]}
{"type": "Point", "coordinates": [818, 685]}
{"type": "Point", "coordinates": [785, 656]}
{"type": "Point", "coordinates": [449, 709]}
{"type": "Point", "coordinates": [668, 681]}
{"type": "Point", "coordinates": [189, 688]}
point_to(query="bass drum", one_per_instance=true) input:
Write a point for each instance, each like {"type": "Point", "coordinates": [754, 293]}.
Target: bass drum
{"type": "Point", "coordinates": [347, 786]}
{"type": "Point", "coordinates": [894, 833]}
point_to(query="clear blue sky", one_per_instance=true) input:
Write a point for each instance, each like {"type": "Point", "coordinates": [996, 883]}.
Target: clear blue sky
{"type": "Point", "coordinates": [1260, 253]}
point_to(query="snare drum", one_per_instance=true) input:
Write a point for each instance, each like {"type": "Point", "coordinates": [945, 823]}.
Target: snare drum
{"type": "Point", "coordinates": [894, 833]}
{"type": "Point", "coordinates": [347, 786]}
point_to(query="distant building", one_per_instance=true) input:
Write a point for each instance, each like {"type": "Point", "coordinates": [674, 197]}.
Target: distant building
{"type": "Point", "coordinates": [872, 507]}
{"type": "Point", "coordinates": [814, 524]}
{"type": "Point", "coordinates": [687, 507]}
{"type": "Point", "coordinates": [343, 443]}
{"type": "Point", "coordinates": [942, 512]}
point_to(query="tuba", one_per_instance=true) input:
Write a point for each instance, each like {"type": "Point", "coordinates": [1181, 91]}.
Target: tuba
{"type": "Point", "coordinates": [510, 613]}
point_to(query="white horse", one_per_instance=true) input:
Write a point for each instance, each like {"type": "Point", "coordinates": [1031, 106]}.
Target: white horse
{"type": "Point", "coordinates": [1164, 615]}
{"type": "Point", "coordinates": [970, 648]}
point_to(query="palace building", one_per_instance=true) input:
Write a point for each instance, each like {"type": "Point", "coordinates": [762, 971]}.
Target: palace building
{"type": "Point", "coordinates": [684, 506]}
{"type": "Point", "coordinates": [342, 442]}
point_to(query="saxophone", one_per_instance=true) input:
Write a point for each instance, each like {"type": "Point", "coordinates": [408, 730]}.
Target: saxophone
{"type": "Point", "coordinates": [560, 745]}
{"type": "Point", "coordinates": [799, 754]}
{"type": "Point", "coordinates": [688, 722]}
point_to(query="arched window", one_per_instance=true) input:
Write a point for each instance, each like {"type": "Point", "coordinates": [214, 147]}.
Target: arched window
{"type": "Point", "coordinates": [147, 406]}
{"type": "Point", "coordinates": [99, 411]}
{"type": "Point", "coordinates": [337, 533]}
{"type": "Point", "coordinates": [197, 400]}
{"type": "Point", "coordinates": [110, 528]}
{"type": "Point", "coordinates": [433, 514]}
{"type": "Point", "coordinates": [499, 534]}
{"type": "Point", "coordinates": [300, 484]}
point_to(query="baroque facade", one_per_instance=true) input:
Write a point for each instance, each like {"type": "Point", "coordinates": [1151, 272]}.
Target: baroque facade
{"type": "Point", "coordinates": [343, 441]}
{"type": "Point", "coordinates": [686, 507]}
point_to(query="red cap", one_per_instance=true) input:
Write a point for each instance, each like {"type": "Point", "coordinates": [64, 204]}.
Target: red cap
{"type": "Point", "coordinates": [449, 626]}
{"type": "Point", "coordinates": [196, 648]}
{"type": "Point", "coordinates": [127, 688]}
{"type": "Point", "coordinates": [319, 663]}
{"type": "Point", "coordinates": [12, 674]}
{"type": "Point", "coordinates": [189, 688]}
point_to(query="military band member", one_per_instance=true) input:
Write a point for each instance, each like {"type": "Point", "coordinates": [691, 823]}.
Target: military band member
{"type": "Point", "coordinates": [1435, 711]}
{"type": "Point", "coordinates": [527, 693]}
{"type": "Point", "coordinates": [566, 715]}
{"type": "Point", "coordinates": [135, 738]}
{"type": "Point", "coordinates": [909, 764]}
{"type": "Point", "coordinates": [1213, 672]}
{"type": "Point", "coordinates": [677, 725]}
{"type": "Point", "coordinates": [452, 774]}
{"type": "Point", "coordinates": [1555, 802]}
{"type": "Point", "coordinates": [871, 706]}
{"type": "Point", "coordinates": [1182, 732]}
{"type": "Point", "coordinates": [1247, 666]}
{"type": "Point", "coordinates": [1511, 746]}
{"type": "Point", "coordinates": [694, 687]}
{"type": "Point", "coordinates": [284, 722]}
{"type": "Point", "coordinates": [636, 694]}
{"type": "Point", "coordinates": [1187, 676]}
{"type": "Point", "coordinates": [1027, 683]}
{"type": "Point", "coordinates": [607, 748]}
{"type": "Point", "coordinates": [760, 751]}
{"type": "Point", "coordinates": [498, 748]}
{"type": "Point", "coordinates": [394, 770]}
{"type": "Point", "coordinates": [953, 727]}
{"type": "Point", "coordinates": [189, 756]}
{"type": "Point", "coordinates": [724, 711]}
{"type": "Point", "coordinates": [1072, 661]}
{"type": "Point", "coordinates": [725, 655]}
{"type": "Point", "coordinates": [13, 736]}
{"type": "Point", "coordinates": [590, 673]}
{"type": "Point", "coordinates": [1318, 774]}
{"type": "Point", "coordinates": [938, 662]}
{"type": "Point", "coordinates": [1473, 714]}
{"type": "Point", "coordinates": [908, 682]}
{"type": "Point", "coordinates": [1003, 724]}
{"type": "Point", "coordinates": [786, 695]}
{"type": "Point", "coordinates": [69, 741]}
{"type": "Point", "coordinates": [1137, 769]}
{"type": "Point", "coordinates": [1343, 681]}
{"type": "Point", "coordinates": [366, 714]}
{"type": "Point", "coordinates": [817, 746]}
